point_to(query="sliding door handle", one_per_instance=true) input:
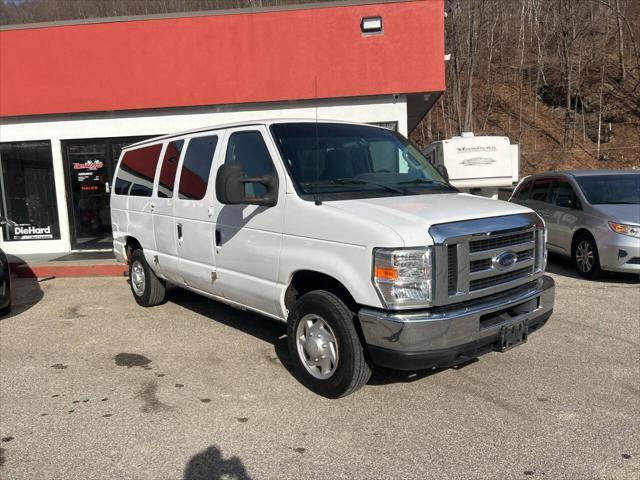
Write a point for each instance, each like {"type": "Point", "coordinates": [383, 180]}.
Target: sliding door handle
{"type": "Point", "coordinates": [218, 237]}
{"type": "Point", "coordinates": [179, 231]}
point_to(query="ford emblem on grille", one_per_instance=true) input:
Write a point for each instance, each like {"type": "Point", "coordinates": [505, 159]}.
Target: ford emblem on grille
{"type": "Point", "coordinates": [504, 260]}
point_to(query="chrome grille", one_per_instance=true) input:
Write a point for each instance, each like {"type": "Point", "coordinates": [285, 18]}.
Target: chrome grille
{"type": "Point", "coordinates": [468, 254]}
{"type": "Point", "coordinates": [483, 283]}
{"type": "Point", "coordinates": [500, 242]}
{"type": "Point", "coordinates": [452, 267]}
{"type": "Point", "coordinates": [479, 265]}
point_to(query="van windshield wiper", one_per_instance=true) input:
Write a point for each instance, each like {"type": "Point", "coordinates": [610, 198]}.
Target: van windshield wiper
{"type": "Point", "coordinates": [356, 181]}
{"type": "Point", "coordinates": [419, 181]}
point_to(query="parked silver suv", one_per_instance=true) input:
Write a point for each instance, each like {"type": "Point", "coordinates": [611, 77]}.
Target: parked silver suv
{"type": "Point", "coordinates": [592, 216]}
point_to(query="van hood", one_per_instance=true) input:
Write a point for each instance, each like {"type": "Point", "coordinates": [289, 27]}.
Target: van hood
{"type": "Point", "coordinates": [620, 212]}
{"type": "Point", "coordinates": [412, 216]}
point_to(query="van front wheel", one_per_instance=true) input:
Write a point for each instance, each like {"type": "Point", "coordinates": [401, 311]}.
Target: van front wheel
{"type": "Point", "coordinates": [324, 345]}
{"type": "Point", "coordinates": [147, 289]}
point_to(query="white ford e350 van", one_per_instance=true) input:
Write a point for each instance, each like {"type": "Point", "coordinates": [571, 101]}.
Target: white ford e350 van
{"type": "Point", "coordinates": [344, 231]}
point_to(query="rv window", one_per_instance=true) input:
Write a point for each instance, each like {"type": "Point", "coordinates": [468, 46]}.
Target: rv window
{"type": "Point", "coordinates": [249, 150]}
{"type": "Point", "coordinates": [169, 169]}
{"type": "Point", "coordinates": [196, 167]}
{"type": "Point", "coordinates": [136, 172]}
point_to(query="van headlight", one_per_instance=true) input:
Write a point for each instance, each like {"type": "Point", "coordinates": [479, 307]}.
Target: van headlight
{"type": "Point", "coordinates": [621, 228]}
{"type": "Point", "coordinates": [403, 277]}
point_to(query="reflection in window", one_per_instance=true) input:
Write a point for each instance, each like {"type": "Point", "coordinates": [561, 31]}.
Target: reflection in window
{"type": "Point", "coordinates": [169, 169]}
{"type": "Point", "coordinates": [136, 172]}
{"type": "Point", "coordinates": [196, 167]}
{"type": "Point", "coordinates": [249, 150]}
{"type": "Point", "coordinates": [28, 191]}
{"type": "Point", "coordinates": [540, 190]}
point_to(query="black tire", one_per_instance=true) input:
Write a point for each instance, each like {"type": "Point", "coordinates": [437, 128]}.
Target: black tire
{"type": "Point", "coordinates": [7, 308]}
{"type": "Point", "coordinates": [585, 256]}
{"type": "Point", "coordinates": [150, 291]}
{"type": "Point", "coordinates": [351, 369]}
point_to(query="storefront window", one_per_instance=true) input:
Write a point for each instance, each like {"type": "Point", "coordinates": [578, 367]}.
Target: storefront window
{"type": "Point", "coordinates": [28, 191]}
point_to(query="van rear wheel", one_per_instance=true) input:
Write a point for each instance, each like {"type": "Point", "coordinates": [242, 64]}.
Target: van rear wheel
{"type": "Point", "coordinates": [147, 288]}
{"type": "Point", "coordinates": [324, 345]}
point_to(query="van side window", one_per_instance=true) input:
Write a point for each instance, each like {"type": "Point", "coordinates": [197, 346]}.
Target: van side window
{"type": "Point", "coordinates": [137, 170]}
{"type": "Point", "coordinates": [563, 194]}
{"type": "Point", "coordinates": [169, 169]}
{"type": "Point", "coordinates": [523, 191]}
{"type": "Point", "coordinates": [249, 150]}
{"type": "Point", "coordinates": [196, 167]}
{"type": "Point", "coordinates": [540, 190]}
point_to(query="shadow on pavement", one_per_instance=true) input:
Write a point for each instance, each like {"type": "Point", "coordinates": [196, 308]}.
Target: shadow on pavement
{"type": "Point", "coordinates": [386, 376]}
{"type": "Point", "coordinates": [263, 328]}
{"type": "Point", "coordinates": [561, 265]}
{"type": "Point", "coordinates": [25, 293]}
{"type": "Point", "coordinates": [210, 465]}
{"type": "Point", "coordinates": [274, 332]}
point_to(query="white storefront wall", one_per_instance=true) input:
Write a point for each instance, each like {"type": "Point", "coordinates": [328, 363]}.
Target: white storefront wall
{"type": "Point", "coordinates": [163, 121]}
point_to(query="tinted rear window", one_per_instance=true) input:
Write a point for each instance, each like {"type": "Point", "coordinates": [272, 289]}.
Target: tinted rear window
{"type": "Point", "coordinates": [137, 170]}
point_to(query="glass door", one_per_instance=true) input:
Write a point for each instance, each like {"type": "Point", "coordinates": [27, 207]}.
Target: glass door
{"type": "Point", "coordinates": [89, 173]}
{"type": "Point", "coordinates": [90, 167]}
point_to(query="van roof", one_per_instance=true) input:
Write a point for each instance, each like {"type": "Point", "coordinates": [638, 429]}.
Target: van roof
{"type": "Point", "coordinates": [583, 173]}
{"type": "Point", "coordinates": [266, 122]}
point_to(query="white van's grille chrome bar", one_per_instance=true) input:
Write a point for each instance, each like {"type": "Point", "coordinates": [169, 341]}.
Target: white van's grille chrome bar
{"type": "Point", "coordinates": [452, 268]}
{"type": "Point", "coordinates": [482, 283]}
{"type": "Point", "coordinates": [467, 256]}
{"type": "Point", "coordinates": [493, 242]}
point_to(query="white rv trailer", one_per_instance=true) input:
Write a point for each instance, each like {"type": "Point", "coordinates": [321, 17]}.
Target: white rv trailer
{"type": "Point", "coordinates": [480, 165]}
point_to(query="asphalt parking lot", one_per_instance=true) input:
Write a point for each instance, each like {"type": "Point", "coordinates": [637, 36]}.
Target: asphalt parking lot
{"type": "Point", "coordinates": [95, 387]}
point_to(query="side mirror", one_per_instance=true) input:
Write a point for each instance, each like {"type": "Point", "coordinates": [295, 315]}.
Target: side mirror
{"type": "Point", "coordinates": [564, 201]}
{"type": "Point", "coordinates": [230, 183]}
{"type": "Point", "coordinates": [442, 170]}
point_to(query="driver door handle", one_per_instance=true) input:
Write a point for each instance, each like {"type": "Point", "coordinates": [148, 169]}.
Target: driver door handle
{"type": "Point", "coordinates": [218, 237]}
{"type": "Point", "coordinates": [180, 231]}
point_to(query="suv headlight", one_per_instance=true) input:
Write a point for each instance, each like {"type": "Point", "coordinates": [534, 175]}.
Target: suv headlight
{"type": "Point", "coordinates": [403, 277]}
{"type": "Point", "coordinates": [631, 230]}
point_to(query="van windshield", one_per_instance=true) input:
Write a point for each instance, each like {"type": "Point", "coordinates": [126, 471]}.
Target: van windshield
{"type": "Point", "coordinates": [611, 189]}
{"type": "Point", "coordinates": [342, 161]}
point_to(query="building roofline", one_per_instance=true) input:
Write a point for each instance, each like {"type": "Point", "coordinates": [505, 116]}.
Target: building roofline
{"type": "Point", "coordinates": [203, 13]}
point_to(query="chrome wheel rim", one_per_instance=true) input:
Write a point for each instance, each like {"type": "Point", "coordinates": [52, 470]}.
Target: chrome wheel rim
{"type": "Point", "coordinates": [585, 256]}
{"type": "Point", "coordinates": [137, 278]}
{"type": "Point", "coordinates": [317, 346]}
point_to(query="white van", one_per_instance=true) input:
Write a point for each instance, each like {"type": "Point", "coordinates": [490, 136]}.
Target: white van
{"type": "Point", "coordinates": [344, 231]}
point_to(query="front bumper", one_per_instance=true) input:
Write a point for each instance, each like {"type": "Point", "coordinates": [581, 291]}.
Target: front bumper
{"type": "Point", "coordinates": [444, 336]}
{"type": "Point", "coordinates": [619, 253]}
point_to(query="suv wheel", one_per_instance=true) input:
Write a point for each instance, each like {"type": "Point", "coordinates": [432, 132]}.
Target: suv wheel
{"type": "Point", "coordinates": [324, 345]}
{"type": "Point", "coordinates": [585, 257]}
{"type": "Point", "coordinates": [147, 289]}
